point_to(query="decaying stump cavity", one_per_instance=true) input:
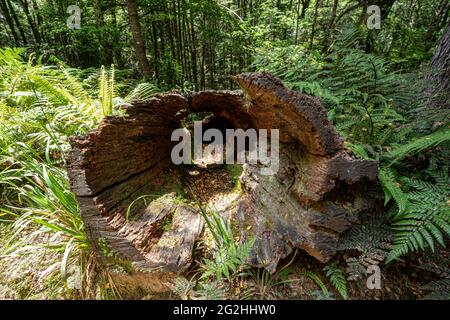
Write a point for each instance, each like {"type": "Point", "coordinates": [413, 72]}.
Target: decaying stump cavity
{"type": "Point", "coordinates": [135, 202]}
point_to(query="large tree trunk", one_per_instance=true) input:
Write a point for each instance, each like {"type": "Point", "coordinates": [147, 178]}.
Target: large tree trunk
{"type": "Point", "coordinates": [439, 78]}
{"type": "Point", "coordinates": [318, 192]}
{"type": "Point", "coordinates": [138, 40]}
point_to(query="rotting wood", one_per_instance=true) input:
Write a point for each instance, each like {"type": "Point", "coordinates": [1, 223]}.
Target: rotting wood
{"type": "Point", "coordinates": [317, 194]}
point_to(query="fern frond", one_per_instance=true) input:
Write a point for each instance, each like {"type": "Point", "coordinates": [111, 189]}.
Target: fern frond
{"type": "Point", "coordinates": [316, 280]}
{"type": "Point", "coordinates": [440, 290]}
{"type": "Point", "coordinates": [420, 144]}
{"type": "Point", "coordinates": [425, 222]}
{"type": "Point", "coordinates": [142, 92]}
{"type": "Point", "coordinates": [391, 188]}
{"type": "Point", "coordinates": [337, 279]}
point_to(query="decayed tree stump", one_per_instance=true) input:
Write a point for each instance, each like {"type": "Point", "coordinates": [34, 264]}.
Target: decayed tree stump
{"type": "Point", "coordinates": [317, 193]}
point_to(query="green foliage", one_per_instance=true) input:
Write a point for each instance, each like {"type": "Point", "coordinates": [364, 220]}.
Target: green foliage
{"type": "Point", "coordinates": [358, 74]}
{"type": "Point", "coordinates": [323, 293]}
{"type": "Point", "coordinates": [438, 290]}
{"type": "Point", "coordinates": [419, 144]}
{"type": "Point", "coordinates": [211, 291]}
{"type": "Point", "coordinates": [228, 256]}
{"type": "Point", "coordinates": [183, 287]}
{"type": "Point", "coordinates": [106, 90]}
{"type": "Point", "coordinates": [337, 279]}
{"type": "Point", "coordinates": [142, 92]}
{"type": "Point", "coordinates": [40, 106]}
{"type": "Point", "coordinates": [426, 219]}
{"type": "Point", "coordinates": [392, 189]}
{"type": "Point", "coordinates": [227, 262]}
{"type": "Point", "coordinates": [372, 238]}
{"type": "Point", "coordinates": [370, 106]}
{"type": "Point", "coordinates": [361, 93]}
{"type": "Point", "coordinates": [264, 285]}
{"type": "Point", "coordinates": [46, 205]}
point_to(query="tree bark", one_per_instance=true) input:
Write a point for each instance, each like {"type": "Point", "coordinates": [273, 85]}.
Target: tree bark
{"type": "Point", "coordinates": [138, 40]}
{"type": "Point", "coordinates": [331, 23]}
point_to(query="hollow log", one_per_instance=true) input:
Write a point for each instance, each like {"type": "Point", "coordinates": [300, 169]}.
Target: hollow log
{"type": "Point", "coordinates": [129, 190]}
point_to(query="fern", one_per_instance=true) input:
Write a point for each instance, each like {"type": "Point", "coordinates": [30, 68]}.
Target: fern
{"type": "Point", "coordinates": [142, 92]}
{"type": "Point", "coordinates": [420, 144]}
{"type": "Point", "coordinates": [76, 88]}
{"type": "Point", "coordinates": [106, 91]}
{"type": "Point", "coordinates": [324, 294]}
{"type": "Point", "coordinates": [183, 287]}
{"type": "Point", "coordinates": [211, 291]}
{"type": "Point", "coordinates": [228, 256]}
{"type": "Point", "coordinates": [372, 238]}
{"type": "Point", "coordinates": [392, 189]}
{"type": "Point", "coordinates": [427, 219]}
{"type": "Point", "coordinates": [337, 279]}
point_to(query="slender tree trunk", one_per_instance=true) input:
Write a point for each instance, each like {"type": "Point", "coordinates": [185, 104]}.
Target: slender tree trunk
{"type": "Point", "coordinates": [193, 49]}
{"type": "Point", "coordinates": [138, 40]}
{"type": "Point", "coordinates": [329, 33]}
{"type": "Point", "coordinates": [16, 20]}
{"type": "Point", "coordinates": [313, 29]}
{"type": "Point", "coordinates": [385, 8]}
{"type": "Point", "coordinates": [118, 61]}
{"type": "Point", "coordinates": [155, 50]}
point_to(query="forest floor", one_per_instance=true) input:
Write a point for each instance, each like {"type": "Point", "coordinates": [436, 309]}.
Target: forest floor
{"type": "Point", "coordinates": [34, 271]}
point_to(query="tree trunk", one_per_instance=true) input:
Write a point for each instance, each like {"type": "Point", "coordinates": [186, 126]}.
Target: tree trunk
{"type": "Point", "coordinates": [31, 22]}
{"type": "Point", "coordinates": [138, 40]}
{"type": "Point", "coordinates": [317, 193]}
{"type": "Point", "coordinates": [329, 35]}
{"type": "Point", "coordinates": [440, 71]}
{"type": "Point", "coordinates": [9, 21]}
{"type": "Point", "coordinates": [16, 20]}
{"type": "Point", "coordinates": [314, 24]}
{"type": "Point", "coordinates": [385, 9]}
